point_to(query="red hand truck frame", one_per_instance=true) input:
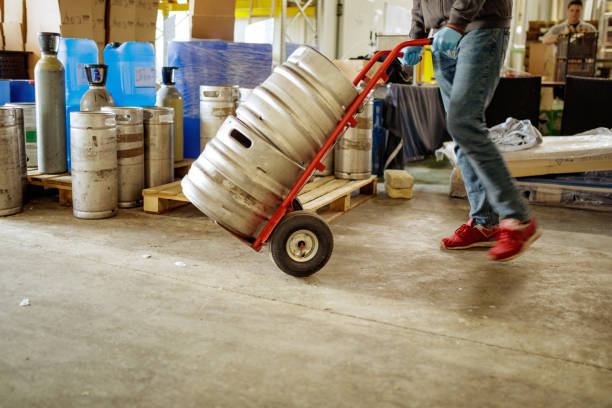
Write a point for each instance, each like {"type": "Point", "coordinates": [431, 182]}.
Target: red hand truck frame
{"type": "Point", "coordinates": [348, 120]}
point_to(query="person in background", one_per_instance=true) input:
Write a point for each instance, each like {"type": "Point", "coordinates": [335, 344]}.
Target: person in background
{"type": "Point", "coordinates": [470, 39]}
{"type": "Point", "coordinates": [573, 24]}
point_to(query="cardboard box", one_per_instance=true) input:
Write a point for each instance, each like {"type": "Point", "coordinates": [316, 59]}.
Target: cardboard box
{"type": "Point", "coordinates": [212, 19]}
{"type": "Point", "coordinates": [99, 21]}
{"type": "Point", "coordinates": [212, 8]}
{"type": "Point", "coordinates": [121, 23]}
{"type": "Point", "coordinates": [13, 36]}
{"type": "Point", "coordinates": [14, 11]}
{"type": "Point", "coordinates": [146, 20]}
{"type": "Point", "coordinates": [541, 60]}
{"type": "Point", "coordinates": [212, 27]}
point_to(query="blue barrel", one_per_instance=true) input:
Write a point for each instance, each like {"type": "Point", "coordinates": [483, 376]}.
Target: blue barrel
{"type": "Point", "coordinates": [74, 54]}
{"type": "Point", "coordinates": [131, 73]}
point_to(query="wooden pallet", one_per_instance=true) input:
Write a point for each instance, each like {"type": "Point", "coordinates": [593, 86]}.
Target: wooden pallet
{"type": "Point", "coordinates": [63, 183]}
{"type": "Point", "coordinates": [327, 196]}
{"type": "Point", "coordinates": [330, 197]}
{"type": "Point", "coordinates": [181, 168]}
{"type": "Point", "coordinates": [161, 199]}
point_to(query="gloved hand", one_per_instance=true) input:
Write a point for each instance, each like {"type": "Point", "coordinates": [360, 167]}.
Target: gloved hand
{"type": "Point", "coordinates": [412, 55]}
{"type": "Point", "coordinates": [446, 39]}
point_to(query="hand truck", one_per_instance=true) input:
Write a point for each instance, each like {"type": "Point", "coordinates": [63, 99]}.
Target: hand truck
{"type": "Point", "coordinates": [301, 242]}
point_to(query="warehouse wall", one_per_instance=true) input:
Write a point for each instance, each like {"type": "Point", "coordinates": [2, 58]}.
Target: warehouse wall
{"type": "Point", "coordinates": [362, 17]}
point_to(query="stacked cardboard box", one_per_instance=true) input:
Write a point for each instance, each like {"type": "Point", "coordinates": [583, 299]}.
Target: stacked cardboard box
{"type": "Point", "coordinates": [212, 19]}
{"type": "Point", "coordinates": [99, 24]}
{"type": "Point", "coordinates": [146, 20]}
{"type": "Point", "coordinates": [14, 25]}
{"type": "Point", "coordinates": [132, 20]}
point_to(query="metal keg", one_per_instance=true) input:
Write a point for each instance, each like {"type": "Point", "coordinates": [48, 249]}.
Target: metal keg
{"type": "Point", "coordinates": [29, 124]}
{"type": "Point", "coordinates": [19, 116]}
{"type": "Point", "coordinates": [216, 104]}
{"type": "Point", "coordinates": [130, 154]}
{"type": "Point", "coordinates": [159, 146]}
{"type": "Point", "coordinates": [243, 95]}
{"type": "Point", "coordinates": [300, 104]}
{"type": "Point", "coordinates": [93, 154]}
{"type": "Point", "coordinates": [354, 150]}
{"type": "Point", "coordinates": [240, 179]}
{"type": "Point", "coordinates": [11, 171]}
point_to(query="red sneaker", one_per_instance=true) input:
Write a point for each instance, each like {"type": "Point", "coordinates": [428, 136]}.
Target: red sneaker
{"type": "Point", "coordinates": [470, 236]}
{"type": "Point", "coordinates": [514, 238]}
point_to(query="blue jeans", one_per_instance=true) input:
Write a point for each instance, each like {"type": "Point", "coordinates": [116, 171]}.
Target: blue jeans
{"type": "Point", "coordinates": [467, 82]}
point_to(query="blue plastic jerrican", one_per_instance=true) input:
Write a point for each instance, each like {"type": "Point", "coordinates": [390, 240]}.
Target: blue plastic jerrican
{"type": "Point", "coordinates": [74, 54]}
{"type": "Point", "coordinates": [131, 73]}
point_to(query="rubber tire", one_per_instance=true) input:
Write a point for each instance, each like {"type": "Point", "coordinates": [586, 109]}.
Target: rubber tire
{"type": "Point", "coordinates": [294, 221]}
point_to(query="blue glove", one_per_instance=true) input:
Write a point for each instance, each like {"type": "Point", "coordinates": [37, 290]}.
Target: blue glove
{"type": "Point", "coordinates": [446, 39]}
{"type": "Point", "coordinates": [412, 55]}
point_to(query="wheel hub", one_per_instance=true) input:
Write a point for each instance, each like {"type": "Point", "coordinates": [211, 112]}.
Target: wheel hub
{"type": "Point", "coordinates": [302, 245]}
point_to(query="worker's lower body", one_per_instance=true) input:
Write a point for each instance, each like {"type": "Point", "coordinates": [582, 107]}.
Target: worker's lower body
{"type": "Point", "coordinates": [467, 82]}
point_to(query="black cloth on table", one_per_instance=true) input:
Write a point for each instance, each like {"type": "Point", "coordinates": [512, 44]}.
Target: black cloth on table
{"type": "Point", "coordinates": [414, 115]}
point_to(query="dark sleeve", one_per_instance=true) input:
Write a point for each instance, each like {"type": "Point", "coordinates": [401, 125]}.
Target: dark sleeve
{"type": "Point", "coordinates": [417, 31]}
{"type": "Point", "coordinates": [463, 11]}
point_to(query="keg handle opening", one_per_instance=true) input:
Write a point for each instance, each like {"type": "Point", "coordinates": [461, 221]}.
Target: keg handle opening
{"type": "Point", "coordinates": [240, 138]}
{"type": "Point", "coordinates": [211, 94]}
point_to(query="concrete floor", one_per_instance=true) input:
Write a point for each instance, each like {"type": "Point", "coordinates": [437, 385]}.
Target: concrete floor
{"type": "Point", "coordinates": [392, 321]}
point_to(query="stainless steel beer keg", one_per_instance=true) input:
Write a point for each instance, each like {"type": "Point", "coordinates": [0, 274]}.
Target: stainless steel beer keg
{"type": "Point", "coordinates": [300, 104]}
{"type": "Point", "coordinates": [243, 95]}
{"type": "Point", "coordinates": [216, 104]}
{"type": "Point", "coordinates": [354, 151]}
{"type": "Point", "coordinates": [93, 155]}
{"type": "Point", "coordinates": [159, 146]}
{"type": "Point", "coordinates": [240, 179]}
{"type": "Point", "coordinates": [130, 154]}
{"type": "Point", "coordinates": [21, 139]}
{"type": "Point", "coordinates": [11, 169]}
{"type": "Point", "coordinates": [29, 125]}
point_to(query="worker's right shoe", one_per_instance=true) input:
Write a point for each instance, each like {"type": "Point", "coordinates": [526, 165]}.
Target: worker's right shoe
{"type": "Point", "coordinates": [470, 236]}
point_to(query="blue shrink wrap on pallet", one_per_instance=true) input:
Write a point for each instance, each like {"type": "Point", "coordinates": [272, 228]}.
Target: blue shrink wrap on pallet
{"type": "Point", "coordinates": [217, 63]}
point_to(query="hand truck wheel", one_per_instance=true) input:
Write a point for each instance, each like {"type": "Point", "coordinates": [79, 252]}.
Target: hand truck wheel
{"type": "Point", "coordinates": [301, 244]}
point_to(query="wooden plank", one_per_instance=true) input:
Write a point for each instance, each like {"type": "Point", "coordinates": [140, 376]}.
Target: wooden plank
{"type": "Point", "coordinates": [538, 167]}
{"type": "Point", "coordinates": [65, 197]}
{"type": "Point", "coordinates": [161, 199]}
{"type": "Point", "coordinates": [332, 185]}
{"type": "Point", "coordinates": [315, 184]}
{"type": "Point", "coordinates": [336, 193]}
{"type": "Point", "coordinates": [183, 163]}
{"type": "Point", "coordinates": [181, 167]}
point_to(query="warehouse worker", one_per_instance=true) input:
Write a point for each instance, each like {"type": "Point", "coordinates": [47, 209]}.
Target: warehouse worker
{"type": "Point", "coordinates": [571, 25]}
{"type": "Point", "coordinates": [470, 38]}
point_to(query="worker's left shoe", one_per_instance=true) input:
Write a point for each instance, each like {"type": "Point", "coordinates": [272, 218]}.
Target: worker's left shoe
{"type": "Point", "coordinates": [513, 239]}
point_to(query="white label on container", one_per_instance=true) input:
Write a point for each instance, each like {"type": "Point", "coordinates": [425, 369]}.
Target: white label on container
{"type": "Point", "coordinates": [144, 77]}
{"type": "Point", "coordinates": [81, 75]}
